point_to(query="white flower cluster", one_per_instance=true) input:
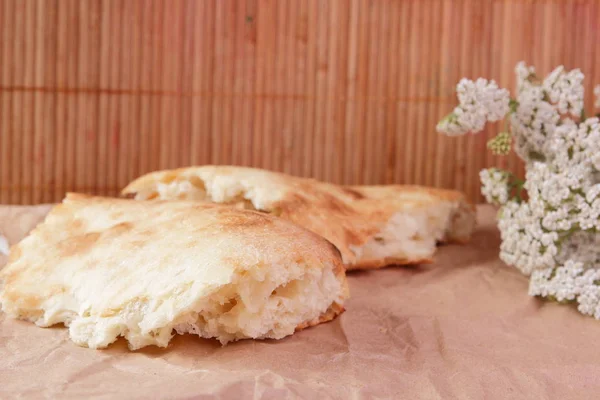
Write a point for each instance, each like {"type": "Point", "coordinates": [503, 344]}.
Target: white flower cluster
{"type": "Point", "coordinates": [479, 101]}
{"type": "Point", "coordinates": [495, 185]}
{"type": "Point", "coordinates": [571, 282]}
{"type": "Point", "coordinates": [533, 122]}
{"type": "Point", "coordinates": [565, 89]}
{"type": "Point", "coordinates": [525, 74]}
{"type": "Point", "coordinates": [525, 244]}
{"type": "Point", "coordinates": [556, 231]}
{"type": "Point", "coordinates": [580, 247]}
{"type": "Point", "coordinates": [553, 235]}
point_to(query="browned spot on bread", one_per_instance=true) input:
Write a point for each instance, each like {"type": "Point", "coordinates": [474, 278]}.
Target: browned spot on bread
{"type": "Point", "coordinates": [169, 177]}
{"type": "Point", "coordinates": [352, 237]}
{"type": "Point", "coordinates": [76, 224]}
{"type": "Point", "coordinates": [294, 202]}
{"type": "Point", "coordinates": [230, 304]}
{"type": "Point", "coordinates": [337, 205]}
{"type": "Point", "coordinates": [119, 228]}
{"type": "Point", "coordinates": [312, 197]}
{"type": "Point", "coordinates": [277, 211]}
{"type": "Point", "coordinates": [129, 195]}
{"type": "Point", "coordinates": [230, 218]}
{"type": "Point", "coordinates": [78, 244]}
{"type": "Point", "coordinates": [197, 182]}
{"type": "Point", "coordinates": [147, 232]}
{"type": "Point", "coordinates": [356, 195]}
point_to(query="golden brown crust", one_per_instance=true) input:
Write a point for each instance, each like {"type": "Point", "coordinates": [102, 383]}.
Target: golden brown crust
{"type": "Point", "coordinates": [333, 311]}
{"type": "Point", "coordinates": [375, 264]}
{"type": "Point", "coordinates": [347, 216]}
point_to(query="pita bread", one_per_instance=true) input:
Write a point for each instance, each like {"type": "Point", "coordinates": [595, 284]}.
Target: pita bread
{"type": "Point", "coordinates": [113, 267]}
{"type": "Point", "coordinates": [373, 226]}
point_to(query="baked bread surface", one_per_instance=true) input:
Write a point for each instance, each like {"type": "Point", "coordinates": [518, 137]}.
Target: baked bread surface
{"type": "Point", "coordinates": [146, 269]}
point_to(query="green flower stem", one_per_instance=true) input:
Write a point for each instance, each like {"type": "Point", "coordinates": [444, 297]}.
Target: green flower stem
{"type": "Point", "coordinates": [513, 105]}
{"type": "Point", "coordinates": [517, 184]}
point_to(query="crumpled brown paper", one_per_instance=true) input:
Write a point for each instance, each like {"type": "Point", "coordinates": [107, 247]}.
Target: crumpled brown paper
{"type": "Point", "coordinates": [461, 328]}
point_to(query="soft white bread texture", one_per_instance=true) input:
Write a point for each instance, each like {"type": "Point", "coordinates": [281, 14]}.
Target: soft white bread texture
{"type": "Point", "coordinates": [373, 226]}
{"type": "Point", "coordinates": [144, 270]}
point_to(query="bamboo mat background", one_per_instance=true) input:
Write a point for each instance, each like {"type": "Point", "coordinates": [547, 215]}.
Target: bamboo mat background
{"type": "Point", "coordinates": [95, 92]}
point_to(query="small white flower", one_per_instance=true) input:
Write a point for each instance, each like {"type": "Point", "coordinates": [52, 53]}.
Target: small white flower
{"type": "Point", "coordinates": [570, 282]}
{"type": "Point", "coordinates": [524, 75]}
{"type": "Point", "coordinates": [450, 127]}
{"type": "Point", "coordinates": [592, 193]}
{"type": "Point", "coordinates": [589, 301]}
{"type": "Point", "coordinates": [495, 185]}
{"type": "Point", "coordinates": [557, 220]}
{"type": "Point", "coordinates": [479, 101]}
{"type": "Point", "coordinates": [524, 244]}
{"type": "Point", "coordinates": [471, 116]}
{"type": "Point", "coordinates": [533, 122]}
{"type": "Point", "coordinates": [565, 89]}
{"type": "Point", "coordinates": [488, 98]}
{"type": "Point", "coordinates": [559, 282]}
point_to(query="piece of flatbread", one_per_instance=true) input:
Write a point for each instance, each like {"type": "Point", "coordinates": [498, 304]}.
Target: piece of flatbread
{"type": "Point", "coordinates": [142, 270]}
{"type": "Point", "coordinates": [372, 226]}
